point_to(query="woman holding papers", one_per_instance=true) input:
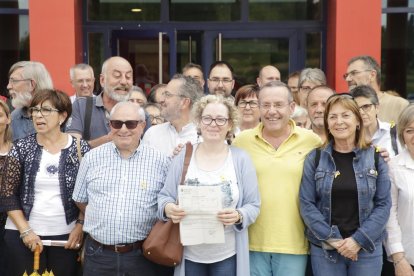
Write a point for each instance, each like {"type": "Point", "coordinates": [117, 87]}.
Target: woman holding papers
{"type": "Point", "coordinates": [36, 190]}
{"type": "Point", "coordinates": [214, 164]}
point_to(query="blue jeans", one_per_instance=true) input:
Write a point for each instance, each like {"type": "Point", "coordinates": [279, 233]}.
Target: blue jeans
{"type": "Point", "coordinates": [276, 264]}
{"type": "Point", "coordinates": [226, 267]}
{"type": "Point", "coordinates": [368, 264]}
{"type": "Point", "coordinates": [100, 261]}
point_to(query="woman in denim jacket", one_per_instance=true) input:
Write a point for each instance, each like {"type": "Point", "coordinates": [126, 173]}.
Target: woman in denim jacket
{"type": "Point", "coordinates": [345, 196]}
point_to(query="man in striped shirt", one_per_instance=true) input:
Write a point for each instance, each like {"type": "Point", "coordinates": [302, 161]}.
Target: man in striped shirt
{"type": "Point", "coordinates": [117, 187]}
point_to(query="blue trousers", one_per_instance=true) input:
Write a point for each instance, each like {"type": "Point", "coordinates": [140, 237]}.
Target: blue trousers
{"type": "Point", "coordinates": [276, 264]}
{"type": "Point", "coordinates": [368, 264]}
{"type": "Point", "coordinates": [102, 262]}
{"type": "Point", "coordinates": [226, 267]}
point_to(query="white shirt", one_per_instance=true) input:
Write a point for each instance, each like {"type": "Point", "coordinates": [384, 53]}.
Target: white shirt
{"type": "Point", "coordinates": [226, 178]}
{"type": "Point", "coordinates": [165, 137]}
{"type": "Point", "coordinates": [400, 226]}
{"type": "Point", "coordinates": [382, 138]}
{"type": "Point", "coordinates": [47, 217]}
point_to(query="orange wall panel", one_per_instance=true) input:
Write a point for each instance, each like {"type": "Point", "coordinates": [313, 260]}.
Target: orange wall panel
{"type": "Point", "coordinates": [56, 37]}
{"type": "Point", "coordinates": [354, 28]}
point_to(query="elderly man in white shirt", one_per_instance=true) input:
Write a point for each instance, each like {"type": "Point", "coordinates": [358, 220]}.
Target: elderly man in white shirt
{"type": "Point", "coordinates": [176, 103]}
{"type": "Point", "coordinates": [400, 241]}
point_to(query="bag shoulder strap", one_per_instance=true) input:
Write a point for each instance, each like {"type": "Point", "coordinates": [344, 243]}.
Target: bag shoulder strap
{"type": "Point", "coordinates": [376, 159]}
{"type": "Point", "coordinates": [393, 134]}
{"type": "Point", "coordinates": [317, 157]}
{"type": "Point", "coordinates": [87, 119]}
{"type": "Point", "coordinates": [187, 159]}
{"type": "Point", "coordinates": [78, 148]}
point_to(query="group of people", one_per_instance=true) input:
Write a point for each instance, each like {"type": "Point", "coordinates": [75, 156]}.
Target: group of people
{"type": "Point", "coordinates": [301, 170]}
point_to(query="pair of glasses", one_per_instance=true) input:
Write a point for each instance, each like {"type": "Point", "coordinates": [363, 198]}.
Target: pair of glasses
{"type": "Point", "coordinates": [130, 124]}
{"type": "Point", "coordinates": [366, 107]}
{"type": "Point", "coordinates": [277, 106]}
{"type": "Point", "coordinates": [208, 120]}
{"type": "Point", "coordinates": [353, 73]}
{"type": "Point", "coordinates": [45, 111]}
{"type": "Point", "coordinates": [223, 81]}
{"type": "Point", "coordinates": [157, 119]}
{"type": "Point", "coordinates": [252, 104]}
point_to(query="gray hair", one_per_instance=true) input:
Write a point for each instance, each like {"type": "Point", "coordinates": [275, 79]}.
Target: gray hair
{"type": "Point", "coordinates": [190, 88]}
{"type": "Point", "coordinates": [365, 91]}
{"type": "Point", "coordinates": [139, 110]}
{"type": "Point", "coordinates": [277, 84]}
{"type": "Point", "coordinates": [35, 71]}
{"type": "Point", "coordinates": [314, 75]}
{"type": "Point", "coordinates": [80, 66]}
{"type": "Point", "coordinates": [298, 112]}
{"type": "Point", "coordinates": [370, 63]}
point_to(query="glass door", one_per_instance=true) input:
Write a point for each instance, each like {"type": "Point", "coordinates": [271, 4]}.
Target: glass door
{"type": "Point", "coordinates": [149, 53]}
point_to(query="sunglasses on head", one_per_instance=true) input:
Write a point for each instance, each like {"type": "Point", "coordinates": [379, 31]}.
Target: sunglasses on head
{"type": "Point", "coordinates": [130, 124]}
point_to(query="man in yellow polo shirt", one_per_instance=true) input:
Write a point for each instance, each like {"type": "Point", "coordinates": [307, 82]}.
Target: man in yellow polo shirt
{"type": "Point", "coordinates": [278, 148]}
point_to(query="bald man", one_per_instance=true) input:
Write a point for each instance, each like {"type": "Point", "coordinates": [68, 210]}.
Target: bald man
{"type": "Point", "coordinates": [267, 74]}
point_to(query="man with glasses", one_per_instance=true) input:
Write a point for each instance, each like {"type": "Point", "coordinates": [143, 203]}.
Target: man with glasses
{"type": "Point", "coordinates": [267, 74]}
{"type": "Point", "coordinates": [25, 79]}
{"type": "Point", "coordinates": [365, 70]}
{"type": "Point", "coordinates": [90, 115]}
{"type": "Point", "coordinates": [176, 103]}
{"type": "Point", "coordinates": [116, 188]}
{"type": "Point", "coordinates": [82, 79]}
{"type": "Point", "coordinates": [278, 149]}
{"type": "Point", "coordinates": [221, 79]}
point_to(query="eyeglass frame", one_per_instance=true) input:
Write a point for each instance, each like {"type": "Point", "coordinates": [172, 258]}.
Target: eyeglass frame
{"type": "Point", "coordinates": [126, 123]}
{"type": "Point", "coordinates": [245, 103]}
{"type": "Point", "coordinates": [223, 81]}
{"type": "Point", "coordinates": [158, 119]}
{"type": "Point", "coordinates": [355, 72]}
{"type": "Point", "coordinates": [203, 118]}
{"type": "Point", "coordinates": [277, 106]}
{"type": "Point", "coordinates": [48, 111]}
{"type": "Point", "coordinates": [366, 107]}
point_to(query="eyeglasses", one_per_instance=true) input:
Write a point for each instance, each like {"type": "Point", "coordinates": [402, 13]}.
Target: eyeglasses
{"type": "Point", "coordinates": [353, 73]}
{"type": "Point", "coordinates": [277, 106]}
{"type": "Point", "coordinates": [366, 107]}
{"type": "Point", "coordinates": [252, 104]}
{"type": "Point", "coordinates": [217, 80]}
{"type": "Point", "coordinates": [208, 120]}
{"type": "Point", "coordinates": [45, 111]}
{"type": "Point", "coordinates": [168, 94]}
{"type": "Point", "coordinates": [130, 124]}
{"type": "Point", "coordinates": [157, 119]}
{"type": "Point", "coordinates": [14, 81]}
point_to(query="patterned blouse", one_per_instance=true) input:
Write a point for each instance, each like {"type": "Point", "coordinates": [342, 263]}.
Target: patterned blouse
{"type": "Point", "coordinates": [3, 215]}
{"type": "Point", "coordinates": [21, 167]}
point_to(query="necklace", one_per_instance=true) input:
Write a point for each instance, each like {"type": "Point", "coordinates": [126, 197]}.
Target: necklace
{"type": "Point", "coordinates": [55, 147]}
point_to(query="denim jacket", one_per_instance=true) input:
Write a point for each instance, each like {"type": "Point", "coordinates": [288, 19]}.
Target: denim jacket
{"type": "Point", "coordinates": [374, 201]}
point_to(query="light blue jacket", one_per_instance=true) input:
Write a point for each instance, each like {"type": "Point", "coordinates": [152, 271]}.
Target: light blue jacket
{"type": "Point", "coordinates": [248, 205]}
{"type": "Point", "coordinates": [374, 201]}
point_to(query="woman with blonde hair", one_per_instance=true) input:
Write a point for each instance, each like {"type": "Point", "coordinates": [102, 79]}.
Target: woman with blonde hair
{"type": "Point", "coordinates": [215, 163]}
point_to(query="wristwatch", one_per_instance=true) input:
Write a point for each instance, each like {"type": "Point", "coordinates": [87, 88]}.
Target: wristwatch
{"type": "Point", "coordinates": [80, 221]}
{"type": "Point", "coordinates": [240, 221]}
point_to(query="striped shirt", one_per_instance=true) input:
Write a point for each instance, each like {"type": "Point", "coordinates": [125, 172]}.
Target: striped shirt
{"type": "Point", "coordinates": [121, 193]}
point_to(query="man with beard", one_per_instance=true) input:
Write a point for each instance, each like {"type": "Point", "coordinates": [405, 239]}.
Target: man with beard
{"type": "Point", "coordinates": [316, 101]}
{"type": "Point", "coordinates": [176, 103]}
{"type": "Point", "coordinates": [116, 80]}
{"type": "Point", "coordinates": [365, 70]}
{"type": "Point", "coordinates": [25, 79]}
{"type": "Point", "coordinates": [220, 79]}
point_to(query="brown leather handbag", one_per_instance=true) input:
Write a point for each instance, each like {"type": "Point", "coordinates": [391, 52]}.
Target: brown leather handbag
{"type": "Point", "coordinates": [163, 245]}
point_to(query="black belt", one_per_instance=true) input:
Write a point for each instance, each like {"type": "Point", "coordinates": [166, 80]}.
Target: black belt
{"type": "Point", "coordinates": [120, 248]}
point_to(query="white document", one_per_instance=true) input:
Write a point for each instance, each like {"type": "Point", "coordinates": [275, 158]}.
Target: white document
{"type": "Point", "coordinates": [201, 205]}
